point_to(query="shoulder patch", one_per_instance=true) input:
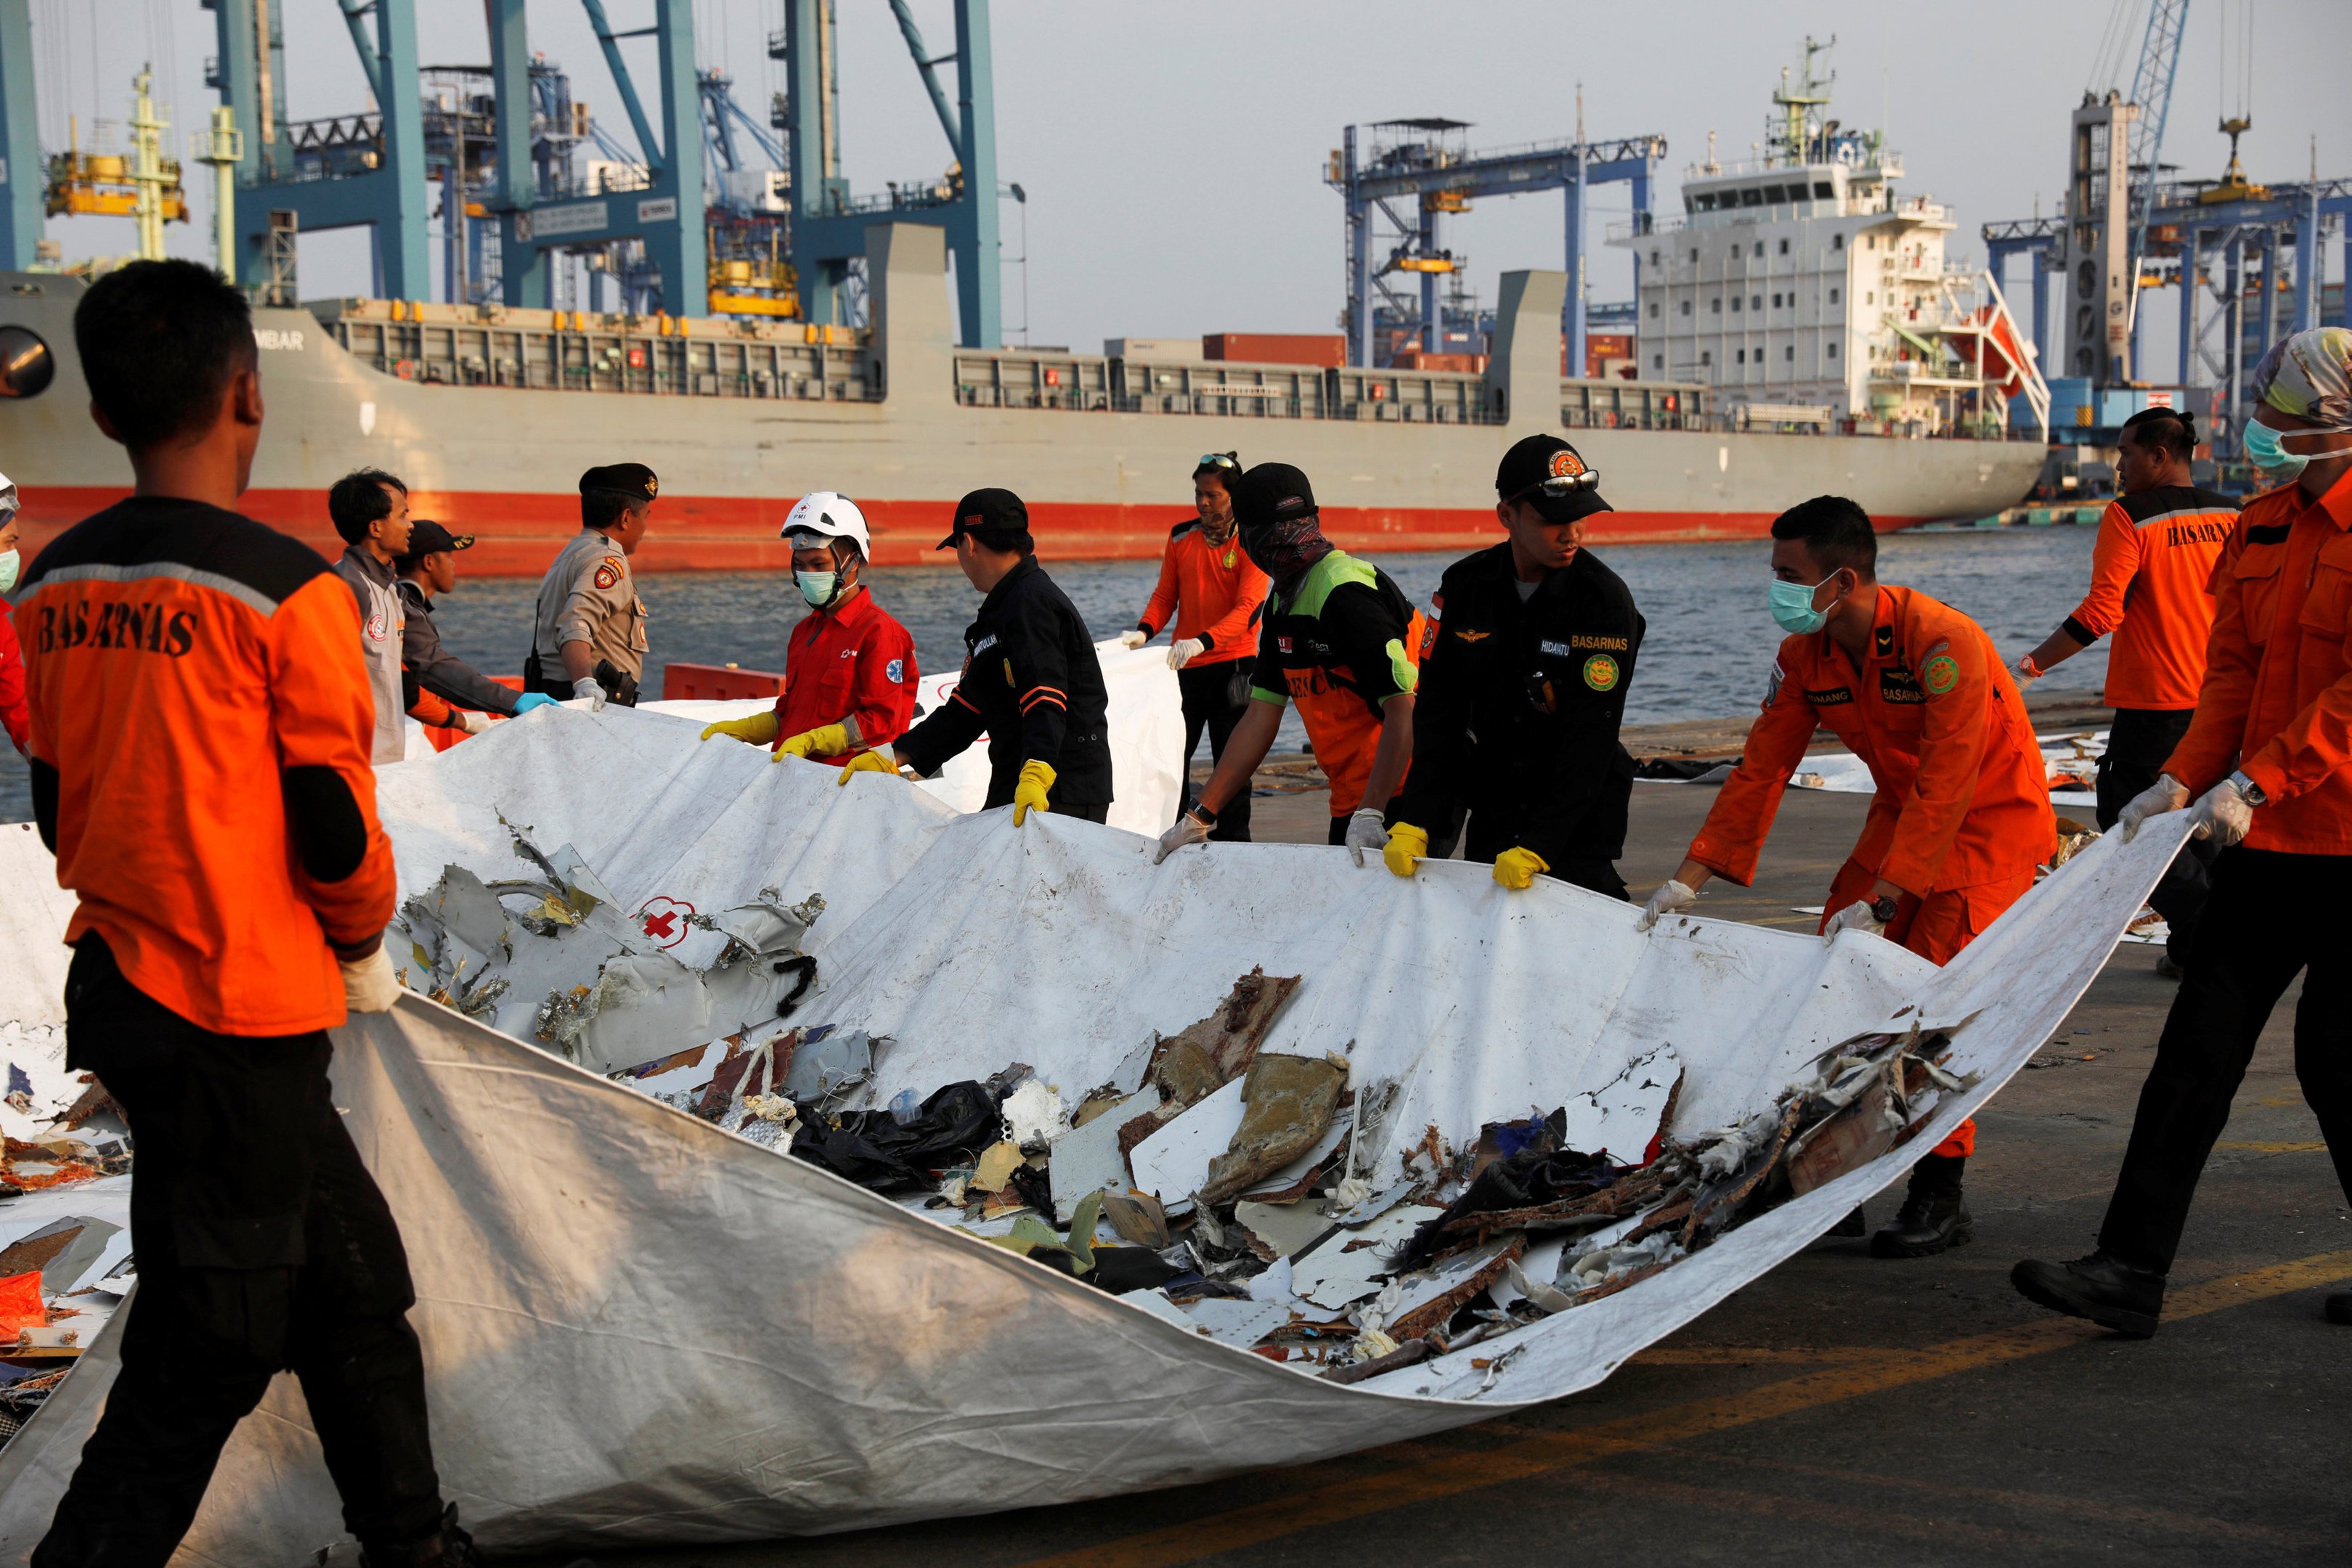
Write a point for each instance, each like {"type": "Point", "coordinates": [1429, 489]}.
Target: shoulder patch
{"type": "Point", "coordinates": [1886, 642]}
{"type": "Point", "coordinates": [1600, 673]}
{"type": "Point", "coordinates": [1941, 674]}
{"type": "Point", "coordinates": [1772, 686]}
{"type": "Point", "coordinates": [609, 571]}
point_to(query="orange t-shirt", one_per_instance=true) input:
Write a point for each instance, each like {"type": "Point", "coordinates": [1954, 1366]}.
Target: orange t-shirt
{"type": "Point", "coordinates": [2150, 585]}
{"type": "Point", "coordinates": [1215, 592]}
{"type": "Point", "coordinates": [191, 674]}
{"type": "Point", "coordinates": [2277, 701]}
{"type": "Point", "coordinates": [1963, 798]}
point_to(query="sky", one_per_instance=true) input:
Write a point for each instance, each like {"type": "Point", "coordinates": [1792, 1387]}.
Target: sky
{"type": "Point", "coordinates": [1174, 154]}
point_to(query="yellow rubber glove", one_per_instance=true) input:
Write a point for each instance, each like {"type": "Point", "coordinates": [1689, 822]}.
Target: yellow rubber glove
{"type": "Point", "coordinates": [868, 762]}
{"type": "Point", "coordinates": [1029, 795]}
{"type": "Point", "coordinates": [1516, 869]}
{"type": "Point", "coordinates": [1406, 848]}
{"type": "Point", "coordinates": [755, 730]}
{"type": "Point", "coordinates": [824, 740]}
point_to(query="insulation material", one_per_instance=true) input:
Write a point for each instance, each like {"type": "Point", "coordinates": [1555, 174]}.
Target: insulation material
{"type": "Point", "coordinates": [2072, 761]}
{"type": "Point", "coordinates": [642, 1329]}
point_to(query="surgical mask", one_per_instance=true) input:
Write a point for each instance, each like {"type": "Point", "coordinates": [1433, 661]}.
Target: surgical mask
{"type": "Point", "coordinates": [2264, 451]}
{"type": "Point", "coordinates": [1793, 607]}
{"type": "Point", "coordinates": [10, 561]}
{"type": "Point", "coordinates": [818, 587]}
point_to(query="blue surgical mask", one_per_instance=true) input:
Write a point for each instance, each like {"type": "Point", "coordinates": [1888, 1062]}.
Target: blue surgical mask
{"type": "Point", "coordinates": [1793, 607]}
{"type": "Point", "coordinates": [10, 563]}
{"type": "Point", "coordinates": [2264, 451]}
{"type": "Point", "coordinates": [818, 587]}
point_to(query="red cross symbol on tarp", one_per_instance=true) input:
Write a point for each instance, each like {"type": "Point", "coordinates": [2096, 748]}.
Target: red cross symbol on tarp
{"type": "Point", "coordinates": [664, 920]}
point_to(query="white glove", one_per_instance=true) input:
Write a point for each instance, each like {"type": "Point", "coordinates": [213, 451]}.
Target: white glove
{"type": "Point", "coordinates": [2167, 794]}
{"type": "Point", "coordinates": [1134, 637]}
{"type": "Point", "coordinates": [2026, 671]}
{"type": "Point", "coordinates": [2224, 813]}
{"type": "Point", "coordinates": [587, 687]}
{"type": "Point", "coordinates": [1854, 916]}
{"type": "Point", "coordinates": [1189, 830]}
{"type": "Point", "coordinates": [369, 984]}
{"type": "Point", "coordinates": [474, 723]}
{"type": "Point", "coordinates": [1365, 831]}
{"type": "Point", "coordinates": [1183, 653]}
{"type": "Point", "coordinates": [1672, 898]}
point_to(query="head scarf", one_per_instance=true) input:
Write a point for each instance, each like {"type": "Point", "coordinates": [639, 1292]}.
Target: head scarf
{"type": "Point", "coordinates": [1273, 511]}
{"type": "Point", "coordinates": [2309, 375]}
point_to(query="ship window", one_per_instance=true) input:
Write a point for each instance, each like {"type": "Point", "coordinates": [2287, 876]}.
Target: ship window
{"type": "Point", "coordinates": [1784, 247]}
{"type": "Point", "coordinates": [1735, 305]}
{"type": "Point", "coordinates": [1775, 194]}
{"type": "Point", "coordinates": [1789, 353]}
{"type": "Point", "coordinates": [1757, 303]}
{"type": "Point", "coordinates": [1653, 310]}
{"type": "Point", "coordinates": [1715, 305]}
{"type": "Point", "coordinates": [1687, 304]}
{"type": "Point", "coordinates": [1870, 297]}
{"type": "Point", "coordinates": [1751, 197]}
{"type": "Point", "coordinates": [1653, 258]}
{"type": "Point", "coordinates": [1833, 296]}
{"type": "Point", "coordinates": [1870, 241]}
{"type": "Point", "coordinates": [1694, 253]}
{"type": "Point", "coordinates": [1832, 350]}
{"type": "Point", "coordinates": [1760, 248]}
{"type": "Point", "coordinates": [1657, 361]}
{"type": "Point", "coordinates": [1776, 302]}
{"type": "Point", "coordinates": [1837, 242]}
{"type": "Point", "coordinates": [1822, 191]}
{"type": "Point", "coordinates": [1706, 356]}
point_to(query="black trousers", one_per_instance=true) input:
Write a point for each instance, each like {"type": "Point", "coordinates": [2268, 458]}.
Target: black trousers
{"type": "Point", "coordinates": [1215, 697]}
{"type": "Point", "coordinates": [1491, 833]}
{"type": "Point", "coordinates": [263, 1245]}
{"type": "Point", "coordinates": [1091, 813]}
{"type": "Point", "coordinates": [2267, 920]}
{"type": "Point", "coordinates": [2138, 741]}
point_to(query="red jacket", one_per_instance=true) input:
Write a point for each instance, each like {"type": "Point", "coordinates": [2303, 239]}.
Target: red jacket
{"type": "Point", "coordinates": [853, 662]}
{"type": "Point", "coordinates": [1963, 797]}
{"type": "Point", "coordinates": [13, 714]}
{"type": "Point", "coordinates": [1215, 592]}
{"type": "Point", "coordinates": [2277, 699]}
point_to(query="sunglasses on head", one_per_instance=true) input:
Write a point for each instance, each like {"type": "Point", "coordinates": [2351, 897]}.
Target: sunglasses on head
{"type": "Point", "coordinates": [1219, 460]}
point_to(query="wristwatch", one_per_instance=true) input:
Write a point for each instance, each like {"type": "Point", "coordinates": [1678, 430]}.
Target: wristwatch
{"type": "Point", "coordinates": [1883, 909]}
{"type": "Point", "coordinates": [1201, 813]}
{"type": "Point", "coordinates": [2250, 789]}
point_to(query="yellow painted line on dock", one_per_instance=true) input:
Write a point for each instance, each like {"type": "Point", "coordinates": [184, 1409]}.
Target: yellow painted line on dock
{"type": "Point", "coordinates": [2313, 1148]}
{"type": "Point", "coordinates": [1541, 1452]}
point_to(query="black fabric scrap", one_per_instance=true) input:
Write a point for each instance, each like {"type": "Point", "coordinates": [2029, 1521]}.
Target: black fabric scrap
{"type": "Point", "coordinates": [873, 1150]}
{"type": "Point", "coordinates": [1534, 1176]}
{"type": "Point", "coordinates": [1119, 1269]}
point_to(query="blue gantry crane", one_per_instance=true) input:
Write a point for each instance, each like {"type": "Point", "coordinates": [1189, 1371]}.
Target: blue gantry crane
{"type": "Point", "coordinates": [1427, 162]}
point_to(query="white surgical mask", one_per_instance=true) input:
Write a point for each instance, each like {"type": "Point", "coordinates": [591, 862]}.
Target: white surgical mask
{"type": "Point", "coordinates": [818, 587]}
{"type": "Point", "coordinates": [10, 563]}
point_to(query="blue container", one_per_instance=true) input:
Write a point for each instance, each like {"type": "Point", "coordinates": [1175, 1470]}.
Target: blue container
{"type": "Point", "coordinates": [2117, 407]}
{"type": "Point", "coordinates": [2070, 406]}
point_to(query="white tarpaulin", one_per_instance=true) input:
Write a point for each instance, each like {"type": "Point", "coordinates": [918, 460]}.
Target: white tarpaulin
{"type": "Point", "coordinates": [640, 1329]}
{"type": "Point", "coordinates": [2072, 757]}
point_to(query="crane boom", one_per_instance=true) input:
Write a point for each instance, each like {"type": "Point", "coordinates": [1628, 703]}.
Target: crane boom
{"type": "Point", "coordinates": [2159, 62]}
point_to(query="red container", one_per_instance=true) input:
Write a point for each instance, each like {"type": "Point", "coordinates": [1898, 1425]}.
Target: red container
{"type": "Point", "coordinates": [1327, 349]}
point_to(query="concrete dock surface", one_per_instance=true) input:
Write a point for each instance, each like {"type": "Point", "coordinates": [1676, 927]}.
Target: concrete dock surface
{"type": "Point", "coordinates": [1843, 1409]}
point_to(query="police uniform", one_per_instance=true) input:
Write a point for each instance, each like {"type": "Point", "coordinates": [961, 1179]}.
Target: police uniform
{"type": "Point", "coordinates": [589, 596]}
{"type": "Point", "coordinates": [1522, 694]}
{"type": "Point", "coordinates": [1031, 681]}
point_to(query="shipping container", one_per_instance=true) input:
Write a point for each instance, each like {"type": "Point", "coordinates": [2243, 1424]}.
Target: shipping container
{"type": "Point", "coordinates": [1327, 349]}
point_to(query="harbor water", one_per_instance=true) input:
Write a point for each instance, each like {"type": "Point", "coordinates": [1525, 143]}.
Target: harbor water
{"type": "Point", "coordinates": [1707, 655]}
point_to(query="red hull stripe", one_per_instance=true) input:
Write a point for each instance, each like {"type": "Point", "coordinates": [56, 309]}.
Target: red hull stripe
{"type": "Point", "coordinates": [518, 535]}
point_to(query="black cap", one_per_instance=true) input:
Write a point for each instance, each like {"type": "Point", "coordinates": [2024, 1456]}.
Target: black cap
{"type": "Point", "coordinates": [426, 537]}
{"type": "Point", "coordinates": [1552, 474]}
{"type": "Point", "coordinates": [633, 480]}
{"type": "Point", "coordinates": [1000, 510]}
{"type": "Point", "coordinates": [1272, 493]}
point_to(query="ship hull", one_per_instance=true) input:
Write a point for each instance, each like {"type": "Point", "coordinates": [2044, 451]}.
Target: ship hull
{"type": "Point", "coordinates": [502, 464]}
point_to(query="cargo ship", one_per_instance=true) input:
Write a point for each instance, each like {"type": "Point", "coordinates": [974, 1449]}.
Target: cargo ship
{"type": "Point", "coordinates": [490, 413]}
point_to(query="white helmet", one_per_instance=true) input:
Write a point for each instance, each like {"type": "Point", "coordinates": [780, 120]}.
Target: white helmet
{"type": "Point", "coordinates": [9, 502]}
{"type": "Point", "coordinates": [828, 514]}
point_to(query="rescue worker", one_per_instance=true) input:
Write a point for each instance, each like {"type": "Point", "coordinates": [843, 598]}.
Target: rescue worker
{"type": "Point", "coordinates": [1215, 594]}
{"type": "Point", "coordinates": [1339, 639]}
{"type": "Point", "coordinates": [849, 668]}
{"type": "Point", "coordinates": [201, 720]}
{"type": "Point", "coordinates": [1961, 817]}
{"type": "Point", "coordinates": [588, 637]}
{"type": "Point", "coordinates": [1524, 688]}
{"type": "Point", "coordinates": [13, 717]}
{"type": "Point", "coordinates": [2150, 587]}
{"type": "Point", "coordinates": [1031, 680]}
{"type": "Point", "coordinates": [370, 510]}
{"type": "Point", "coordinates": [429, 566]}
{"type": "Point", "coordinates": [2265, 756]}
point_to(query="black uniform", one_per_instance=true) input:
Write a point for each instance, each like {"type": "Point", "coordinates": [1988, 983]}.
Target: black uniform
{"type": "Point", "coordinates": [1517, 714]}
{"type": "Point", "coordinates": [1032, 682]}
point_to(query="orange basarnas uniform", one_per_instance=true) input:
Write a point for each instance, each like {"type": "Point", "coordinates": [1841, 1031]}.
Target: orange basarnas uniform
{"type": "Point", "coordinates": [2277, 701]}
{"type": "Point", "coordinates": [201, 730]}
{"type": "Point", "coordinates": [2151, 585]}
{"type": "Point", "coordinates": [1214, 591]}
{"type": "Point", "coordinates": [1962, 814]}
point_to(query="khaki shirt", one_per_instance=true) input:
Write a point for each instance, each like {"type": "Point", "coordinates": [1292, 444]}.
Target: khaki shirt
{"type": "Point", "coordinates": [588, 596]}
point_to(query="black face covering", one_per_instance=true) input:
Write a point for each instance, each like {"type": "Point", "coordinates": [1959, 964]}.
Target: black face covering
{"type": "Point", "coordinates": [1284, 550]}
